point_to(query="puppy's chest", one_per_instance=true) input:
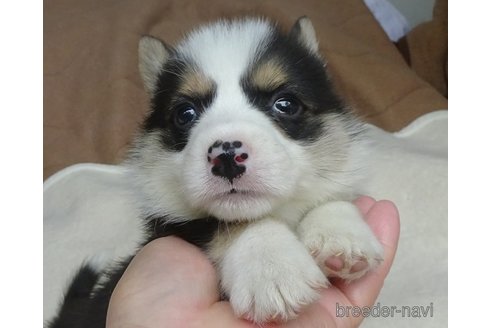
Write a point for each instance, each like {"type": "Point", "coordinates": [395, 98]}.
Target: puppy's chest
{"type": "Point", "coordinates": [213, 236]}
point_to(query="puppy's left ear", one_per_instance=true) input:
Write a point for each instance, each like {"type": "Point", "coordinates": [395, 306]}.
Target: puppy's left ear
{"type": "Point", "coordinates": [303, 32]}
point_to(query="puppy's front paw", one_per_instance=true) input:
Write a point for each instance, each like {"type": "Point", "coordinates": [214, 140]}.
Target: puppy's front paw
{"type": "Point", "coordinates": [340, 241]}
{"type": "Point", "coordinates": [346, 256]}
{"type": "Point", "coordinates": [269, 275]}
{"type": "Point", "coordinates": [278, 290]}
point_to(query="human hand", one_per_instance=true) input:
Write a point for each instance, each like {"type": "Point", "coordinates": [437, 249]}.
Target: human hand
{"type": "Point", "coordinates": [171, 283]}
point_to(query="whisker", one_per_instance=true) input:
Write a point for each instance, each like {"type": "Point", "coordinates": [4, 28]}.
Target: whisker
{"type": "Point", "coordinates": [334, 181]}
{"type": "Point", "coordinates": [228, 231]}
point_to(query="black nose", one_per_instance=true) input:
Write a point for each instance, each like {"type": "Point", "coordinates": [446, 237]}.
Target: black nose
{"type": "Point", "coordinates": [225, 166]}
{"type": "Point", "coordinates": [227, 159]}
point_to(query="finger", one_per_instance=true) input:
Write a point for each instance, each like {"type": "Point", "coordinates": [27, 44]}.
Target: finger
{"type": "Point", "coordinates": [364, 204]}
{"type": "Point", "coordinates": [221, 315]}
{"type": "Point", "coordinates": [167, 276]}
{"type": "Point", "coordinates": [177, 267]}
{"type": "Point", "coordinates": [383, 218]}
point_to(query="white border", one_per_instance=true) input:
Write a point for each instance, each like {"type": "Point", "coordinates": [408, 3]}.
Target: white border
{"type": "Point", "coordinates": [21, 60]}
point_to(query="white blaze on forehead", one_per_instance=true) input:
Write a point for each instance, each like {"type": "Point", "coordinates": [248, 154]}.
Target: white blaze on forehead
{"type": "Point", "coordinates": [223, 51]}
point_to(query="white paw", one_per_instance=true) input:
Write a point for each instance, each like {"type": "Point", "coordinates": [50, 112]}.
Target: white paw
{"type": "Point", "coordinates": [277, 291]}
{"type": "Point", "coordinates": [271, 281]}
{"type": "Point", "coordinates": [340, 241]}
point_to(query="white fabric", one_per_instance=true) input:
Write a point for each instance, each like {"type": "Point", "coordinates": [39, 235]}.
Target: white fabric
{"type": "Point", "coordinates": [89, 214]}
{"type": "Point", "coordinates": [410, 168]}
{"type": "Point", "coordinates": [391, 20]}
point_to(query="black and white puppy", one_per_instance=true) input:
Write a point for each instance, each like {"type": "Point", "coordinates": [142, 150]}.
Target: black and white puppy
{"type": "Point", "coordinates": [248, 153]}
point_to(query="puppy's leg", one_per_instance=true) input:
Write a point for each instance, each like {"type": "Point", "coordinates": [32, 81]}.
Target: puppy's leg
{"type": "Point", "coordinates": [340, 241]}
{"type": "Point", "coordinates": [268, 273]}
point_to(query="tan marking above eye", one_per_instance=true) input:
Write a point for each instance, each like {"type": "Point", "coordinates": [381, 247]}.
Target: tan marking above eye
{"type": "Point", "coordinates": [195, 83]}
{"type": "Point", "coordinates": [269, 75]}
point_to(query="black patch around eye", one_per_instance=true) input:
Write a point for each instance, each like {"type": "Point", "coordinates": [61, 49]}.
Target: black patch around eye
{"type": "Point", "coordinates": [307, 81]}
{"type": "Point", "coordinates": [169, 109]}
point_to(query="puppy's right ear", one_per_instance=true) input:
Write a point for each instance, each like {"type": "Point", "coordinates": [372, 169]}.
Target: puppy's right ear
{"type": "Point", "coordinates": [303, 32]}
{"type": "Point", "coordinates": [152, 55]}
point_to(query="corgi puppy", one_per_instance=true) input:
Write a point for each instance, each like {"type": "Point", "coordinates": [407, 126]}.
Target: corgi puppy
{"type": "Point", "coordinates": [248, 153]}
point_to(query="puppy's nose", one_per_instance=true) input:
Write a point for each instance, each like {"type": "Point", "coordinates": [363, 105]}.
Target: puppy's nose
{"type": "Point", "coordinates": [228, 159]}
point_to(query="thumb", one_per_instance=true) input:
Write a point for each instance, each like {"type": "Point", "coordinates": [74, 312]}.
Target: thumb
{"type": "Point", "coordinates": [168, 279]}
{"type": "Point", "coordinates": [384, 220]}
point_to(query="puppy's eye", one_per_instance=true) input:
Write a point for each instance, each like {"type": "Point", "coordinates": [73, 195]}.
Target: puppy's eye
{"type": "Point", "coordinates": [287, 105]}
{"type": "Point", "coordinates": [184, 116]}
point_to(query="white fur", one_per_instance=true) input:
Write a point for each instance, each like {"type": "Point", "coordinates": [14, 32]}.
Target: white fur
{"type": "Point", "coordinates": [263, 186]}
{"type": "Point", "coordinates": [157, 174]}
{"type": "Point", "coordinates": [269, 274]}
{"type": "Point", "coordinates": [223, 51]}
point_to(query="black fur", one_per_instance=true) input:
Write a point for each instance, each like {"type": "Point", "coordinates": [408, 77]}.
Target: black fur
{"type": "Point", "coordinates": [197, 232]}
{"type": "Point", "coordinates": [166, 101]}
{"type": "Point", "coordinates": [307, 81]}
{"type": "Point", "coordinates": [79, 309]}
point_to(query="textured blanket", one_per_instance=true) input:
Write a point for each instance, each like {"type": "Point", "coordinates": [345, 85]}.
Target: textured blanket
{"type": "Point", "coordinates": [89, 214]}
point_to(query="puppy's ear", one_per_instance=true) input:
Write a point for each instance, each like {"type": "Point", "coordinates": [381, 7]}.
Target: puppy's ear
{"type": "Point", "coordinates": [152, 55]}
{"type": "Point", "coordinates": [303, 32]}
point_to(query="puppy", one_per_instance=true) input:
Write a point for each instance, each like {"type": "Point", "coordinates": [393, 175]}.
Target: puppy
{"type": "Point", "coordinates": [248, 153]}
